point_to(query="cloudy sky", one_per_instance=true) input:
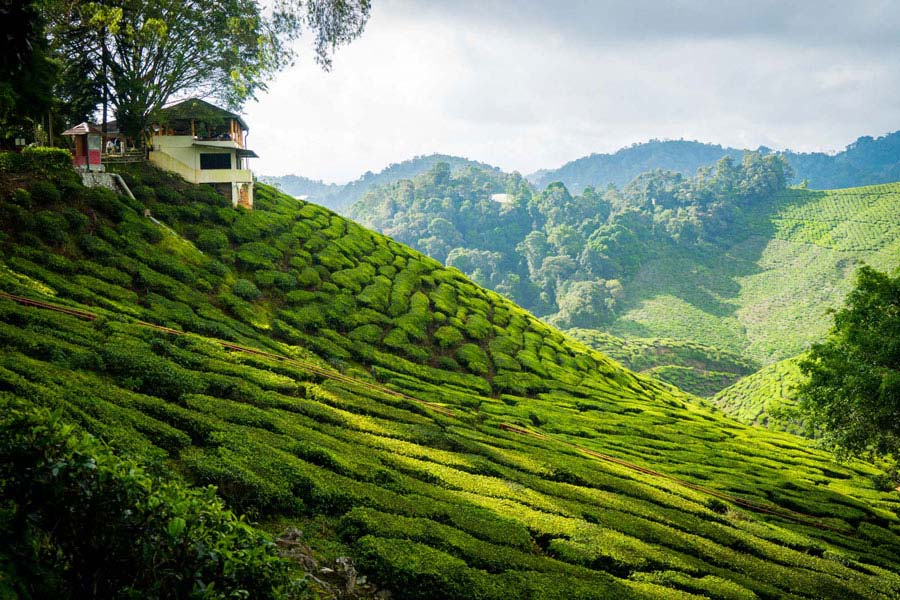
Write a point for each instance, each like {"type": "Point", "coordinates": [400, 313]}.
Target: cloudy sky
{"type": "Point", "coordinates": [529, 84]}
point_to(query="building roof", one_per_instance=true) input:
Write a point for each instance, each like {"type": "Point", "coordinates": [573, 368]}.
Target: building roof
{"type": "Point", "coordinates": [197, 109]}
{"type": "Point", "coordinates": [81, 129]}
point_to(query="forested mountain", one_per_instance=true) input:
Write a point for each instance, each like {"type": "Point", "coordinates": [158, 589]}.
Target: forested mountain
{"type": "Point", "coordinates": [341, 197]}
{"type": "Point", "coordinates": [620, 167]}
{"type": "Point", "coordinates": [330, 381]}
{"type": "Point", "coordinates": [866, 161]}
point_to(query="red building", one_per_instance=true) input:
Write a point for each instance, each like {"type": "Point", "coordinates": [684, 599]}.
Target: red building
{"type": "Point", "coordinates": [87, 146]}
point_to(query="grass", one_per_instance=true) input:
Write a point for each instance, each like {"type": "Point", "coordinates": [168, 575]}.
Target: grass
{"type": "Point", "coordinates": [426, 503]}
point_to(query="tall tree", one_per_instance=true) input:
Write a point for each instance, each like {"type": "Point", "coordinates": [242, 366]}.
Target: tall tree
{"type": "Point", "coordinates": [853, 392]}
{"type": "Point", "coordinates": [147, 52]}
{"type": "Point", "coordinates": [27, 73]}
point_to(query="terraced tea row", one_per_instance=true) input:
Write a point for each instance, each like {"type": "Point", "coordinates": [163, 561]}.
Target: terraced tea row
{"type": "Point", "coordinates": [429, 505]}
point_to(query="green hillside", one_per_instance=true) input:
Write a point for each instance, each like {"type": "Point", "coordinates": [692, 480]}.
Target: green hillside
{"type": "Point", "coordinates": [767, 295]}
{"type": "Point", "coordinates": [761, 398]}
{"type": "Point", "coordinates": [729, 259]}
{"type": "Point", "coordinates": [326, 378]}
{"type": "Point", "coordinates": [698, 369]}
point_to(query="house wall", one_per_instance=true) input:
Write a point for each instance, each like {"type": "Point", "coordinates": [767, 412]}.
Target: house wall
{"type": "Point", "coordinates": [177, 153]}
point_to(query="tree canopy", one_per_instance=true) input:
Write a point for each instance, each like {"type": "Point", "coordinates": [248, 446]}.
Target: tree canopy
{"type": "Point", "coordinates": [569, 258]}
{"type": "Point", "coordinates": [853, 393]}
{"type": "Point", "coordinates": [146, 52]}
{"type": "Point", "coordinates": [27, 72]}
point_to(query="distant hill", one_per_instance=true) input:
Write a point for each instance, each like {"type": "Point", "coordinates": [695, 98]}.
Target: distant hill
{"type": "Point", "coordinates": [765, 293]}
{"type": "Point", "coordinates": [752, 276]}
{"type": "Point", "coordinates": [600, 170]}
{"type": "Point", "coordinates": [340, 197]}
{"type": "Point", "coordinates": [866, 161]}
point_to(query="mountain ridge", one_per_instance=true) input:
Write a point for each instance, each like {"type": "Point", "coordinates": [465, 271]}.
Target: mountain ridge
{"type": "Point", "coordinates": [866, 161]}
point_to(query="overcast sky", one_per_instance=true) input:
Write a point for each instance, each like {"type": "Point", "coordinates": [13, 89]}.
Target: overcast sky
{"type": "Point", "coordinates": [528, 84]}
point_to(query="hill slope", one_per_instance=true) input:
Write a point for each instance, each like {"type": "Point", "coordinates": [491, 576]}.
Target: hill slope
{"type": "Point", "coordinates": [752, 275]}
{"type": "Point", "coordinates": [424, 488]}
{"type": "Point", "coordinates": [767, 295]}
{"type": "Point", "coordinates": [761, 398]}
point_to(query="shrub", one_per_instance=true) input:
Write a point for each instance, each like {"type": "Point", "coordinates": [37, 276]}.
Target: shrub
{"type": "Point", "coordinates": [278, 279]}
{"type": "Point", "coordinates": [447, 336]}
{"type": "Point", "coordinates": [418, 570]}
{"type": "Point", "coordinates": [51, 227]}
{"type": "Point", "coordinates": [44, 192]}
{"type": "Point", "coordinates": [478, 327]}
{"type": "Point", "coordinates": [246, 289]}
{"type": "Point", "coordinates": [137, 368]}
{"type": "Point", "coordinates": [212, 240]}
{"type": "Point", "coordinates": [474, 358]}
{"type": "Point", "coordinates": [144, 193]}
{"type": "Point", "coordinates": [309, 277]}
{"type": "Point", "coordinates": [169, 195]}
{"type": "Point", "coordinates": [367, 333]}
{"type": "Point", "coordinates": [107, 203]}
{"type": "Point", "coordinates": [22, 198]}
{"type": "Point", "coordinates": [79, 521]}
{"type": "Point", "coordinates": [38, 159]}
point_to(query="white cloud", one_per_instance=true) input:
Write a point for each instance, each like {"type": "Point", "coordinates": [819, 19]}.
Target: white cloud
{"type": "Point", "coordinates": [521, 86]}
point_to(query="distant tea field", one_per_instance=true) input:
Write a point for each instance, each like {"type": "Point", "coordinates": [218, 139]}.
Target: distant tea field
{"type": "Point", "coordinates": [767, 295]}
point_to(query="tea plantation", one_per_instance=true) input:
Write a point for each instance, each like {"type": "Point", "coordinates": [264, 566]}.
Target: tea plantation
{"type": "Point", "coordinates": [764, 397]}
{"type": "Point", "coordinates": [692, 367]}
{"type": "Point", "coordinates": [766, 296]}
{"type": "Point", "coordinates": [422, 488]}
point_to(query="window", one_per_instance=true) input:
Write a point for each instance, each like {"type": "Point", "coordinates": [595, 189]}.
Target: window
{"type": "Point", "coordinates": [215, 161]}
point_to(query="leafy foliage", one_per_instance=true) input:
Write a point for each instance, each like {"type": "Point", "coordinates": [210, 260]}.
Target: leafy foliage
{"type": "Point", "coordinates": [144, 52]}
{"type": "Point", "coordinates": [853, 392]}
{"type": "Point", "coordinates": [77, 521]}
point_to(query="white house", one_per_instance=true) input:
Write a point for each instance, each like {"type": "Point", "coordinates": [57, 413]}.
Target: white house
{"type": "Point", "coordinates": [204, 144]}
